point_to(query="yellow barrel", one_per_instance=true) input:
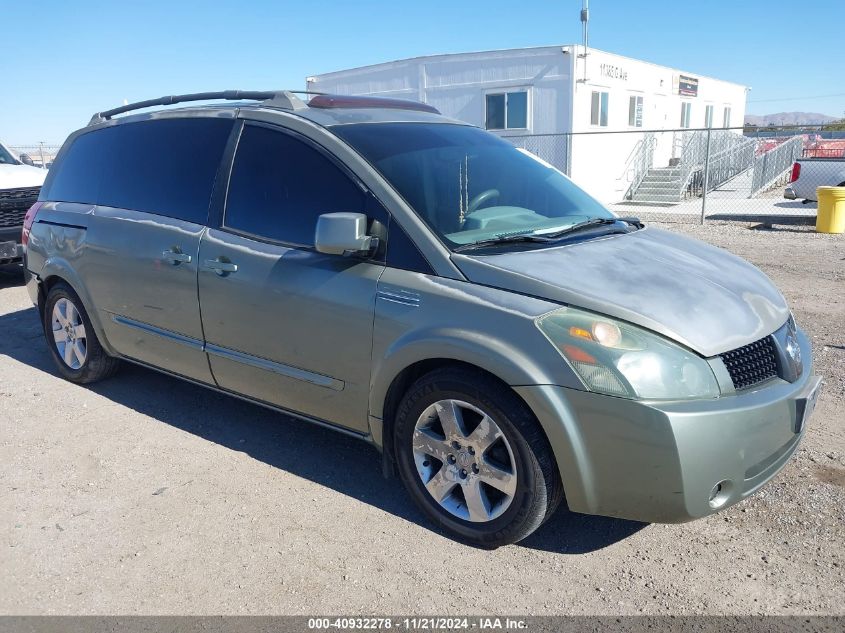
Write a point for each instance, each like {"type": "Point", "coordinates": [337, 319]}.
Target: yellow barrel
{"type": "Point", "coordinates": [831, 215]}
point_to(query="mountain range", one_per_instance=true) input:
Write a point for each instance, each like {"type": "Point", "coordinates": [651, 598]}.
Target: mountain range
{"type": "Point", "coordinates": [789, 118]}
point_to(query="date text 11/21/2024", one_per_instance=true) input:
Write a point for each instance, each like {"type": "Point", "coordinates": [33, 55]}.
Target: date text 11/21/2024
{"type": "Point", "coordinates": [417, 623]}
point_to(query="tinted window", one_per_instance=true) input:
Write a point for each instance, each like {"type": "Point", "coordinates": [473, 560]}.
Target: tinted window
{"type": "Point", "coordinates": [403, 253]}
{"type": "Point", "coordinates": [280, 185]}
{"type": "Point", "coordinates": [76, 176]}
{"type": "Point", "coordinates": [165, 166]}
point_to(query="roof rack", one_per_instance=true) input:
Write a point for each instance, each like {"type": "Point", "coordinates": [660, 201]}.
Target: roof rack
{"type": "Point", "coordinates": [286, 99]}
{"type": "Point", "coordinates": [329, 101]}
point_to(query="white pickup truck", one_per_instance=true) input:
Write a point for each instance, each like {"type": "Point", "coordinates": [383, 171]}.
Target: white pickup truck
{"type": "Point", "coordinates": [19, 187]}
{"type": "Point", "coordinates": [809, 173]}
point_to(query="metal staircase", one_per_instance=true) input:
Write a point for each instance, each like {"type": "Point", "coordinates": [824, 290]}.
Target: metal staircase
{"type": "Point", "coordinates": [660, 185]}
{"type": "Point", "coordinates": [730, 155]}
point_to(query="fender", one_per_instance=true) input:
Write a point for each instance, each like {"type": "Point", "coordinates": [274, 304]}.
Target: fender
{"type": "Point", "coordinates": [509, 364]}
{"type": "Point", "coordinates": [495, 356]}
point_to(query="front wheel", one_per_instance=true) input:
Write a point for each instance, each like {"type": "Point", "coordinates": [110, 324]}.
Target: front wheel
{"type": "Point", "coordinates": [474, 458]}
{"type": "Point", "coordinates": [73, 343]}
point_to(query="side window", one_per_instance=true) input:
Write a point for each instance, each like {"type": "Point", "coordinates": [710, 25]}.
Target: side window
{"type": "Point", "coordinates": [403, 253]}
{"type": "Point", "coordinates": [165, 166]}
{"type": "Point", "coordinates": [76, 176]}
{"type": "Point", "coordinates": [280, 185]}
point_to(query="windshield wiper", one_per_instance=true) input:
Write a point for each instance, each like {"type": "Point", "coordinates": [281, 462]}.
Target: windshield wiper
{"type": "Point", "coordinates": [503, 239]}
{"type": "Point", "coordinates": [546, 237]}
{"type": "Point", "coordinates": [580, 226]}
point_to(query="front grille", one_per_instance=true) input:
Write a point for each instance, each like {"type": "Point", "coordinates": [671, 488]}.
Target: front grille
{"type": "Point", "coordinates": [14, 203]}
{"type": "Point", "coordinates": [752, 364]}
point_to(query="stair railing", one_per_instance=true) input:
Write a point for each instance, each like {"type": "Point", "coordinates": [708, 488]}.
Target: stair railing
{"type": "Point", "coordinates": [639, 163]}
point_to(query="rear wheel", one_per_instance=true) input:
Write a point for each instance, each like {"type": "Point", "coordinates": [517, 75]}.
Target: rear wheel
{"type": "Point", "coordinates": [473, 457]}
{"type": "Point", "coordinates": [73, 343]}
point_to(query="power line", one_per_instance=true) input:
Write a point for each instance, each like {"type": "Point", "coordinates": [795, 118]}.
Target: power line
{"type": "Point", "coordinates": [838, 94]}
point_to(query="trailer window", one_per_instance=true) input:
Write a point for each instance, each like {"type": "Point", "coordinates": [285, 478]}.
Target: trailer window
{"type": "Point", "coordinates": [708, 116]}
{"type": "Point", "coordinates": [686, 107]}
{"type": "Point", "coordinates": [598, 109]}
{"type": "Point", "coordinates": [635, 111]}
{"type": "Point", "coordinates": [507, 110]}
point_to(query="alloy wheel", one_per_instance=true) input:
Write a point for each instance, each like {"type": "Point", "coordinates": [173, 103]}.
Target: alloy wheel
{"type": "Point", "coordinates": [69, 334]}
{"type": "Point", "coordinates": [464, 461]}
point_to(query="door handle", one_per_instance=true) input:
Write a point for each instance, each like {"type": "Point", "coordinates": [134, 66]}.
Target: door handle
{"type": "Point", "coordinates": [222, 268]}
{"type": "Point", "coordinates": [176, 257]}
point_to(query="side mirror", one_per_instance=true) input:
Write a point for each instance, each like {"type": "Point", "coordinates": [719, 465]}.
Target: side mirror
{"type": "Point", "coordinates": [26, 160]}
{"type": "Point", "coordinates": [343, 234]}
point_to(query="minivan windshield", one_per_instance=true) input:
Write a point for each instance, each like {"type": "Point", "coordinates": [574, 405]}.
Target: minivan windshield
{"type": "Point", "coordinates": [471, 186]}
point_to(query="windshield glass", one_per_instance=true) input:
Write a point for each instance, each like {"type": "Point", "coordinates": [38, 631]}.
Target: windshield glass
{"type": "Point", "coordinates": [6, 157]}
{"type": "Point", "coordinates": [469, 185]}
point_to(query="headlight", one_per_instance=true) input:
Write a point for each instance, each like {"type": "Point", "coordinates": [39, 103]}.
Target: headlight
{"type": "Point", "coordinates": [620, 359]}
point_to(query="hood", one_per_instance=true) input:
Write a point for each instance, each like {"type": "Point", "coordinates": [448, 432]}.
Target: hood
{"type": "Point", "coordinates": [701, 296]}
{"type": "Point", "coordinates": [14, 176]}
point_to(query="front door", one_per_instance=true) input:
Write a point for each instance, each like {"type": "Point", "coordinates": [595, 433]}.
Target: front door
{"type": "Point", "coordinates": [283, 323]}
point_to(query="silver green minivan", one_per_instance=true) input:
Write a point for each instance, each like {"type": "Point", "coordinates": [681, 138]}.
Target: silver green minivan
{"type": "Point", "coordinates": [369, 265]}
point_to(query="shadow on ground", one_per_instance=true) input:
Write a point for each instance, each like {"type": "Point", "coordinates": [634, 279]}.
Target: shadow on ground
{"type": "Point", "coordinates": [353, 468]}
{"type": "Point", "coordinates": [11, 275]}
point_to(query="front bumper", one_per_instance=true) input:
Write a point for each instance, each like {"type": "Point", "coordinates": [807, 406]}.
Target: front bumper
{"type": "Point", "coordinates": [660, 461]}
{"type": "Point", "coordinates": [10, 247]}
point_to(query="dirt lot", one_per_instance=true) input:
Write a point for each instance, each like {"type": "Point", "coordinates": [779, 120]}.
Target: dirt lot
{"type": "Point", "coordinates": [151, 496]}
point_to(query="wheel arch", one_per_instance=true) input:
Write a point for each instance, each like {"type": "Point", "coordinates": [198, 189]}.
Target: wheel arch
{"type": "Point", "coordinates": [410, 374]}
{"type": "Point", "coordinates": [59, 271]}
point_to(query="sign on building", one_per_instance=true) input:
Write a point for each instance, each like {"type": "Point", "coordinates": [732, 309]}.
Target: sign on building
{"type": "Point", "coordinates": [688, 86]}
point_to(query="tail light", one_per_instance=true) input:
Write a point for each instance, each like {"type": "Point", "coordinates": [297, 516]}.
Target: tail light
{"type": "Point", "coordinates": [28, 219]}
{"type": "Point", "coordinates": [796, 171]}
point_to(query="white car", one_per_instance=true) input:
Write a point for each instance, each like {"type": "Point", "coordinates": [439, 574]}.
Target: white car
{"type": "Point", "coordinates": [19, 188]}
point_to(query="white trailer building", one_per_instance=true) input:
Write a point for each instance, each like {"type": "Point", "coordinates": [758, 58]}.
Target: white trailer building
{"type": "Point", "coordinates": [537, 96]}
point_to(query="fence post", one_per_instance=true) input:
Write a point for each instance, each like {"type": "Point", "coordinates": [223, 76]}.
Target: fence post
{"type": "Point", "coordinates": [41, 151]}
{"type": "Point", "coordinates": [706, 176]}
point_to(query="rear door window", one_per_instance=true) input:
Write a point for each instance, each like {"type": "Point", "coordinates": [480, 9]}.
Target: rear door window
{"type": "Point", "coordinates": [281, 184]}
{"type": "Point", "coordinates": [164, 166]}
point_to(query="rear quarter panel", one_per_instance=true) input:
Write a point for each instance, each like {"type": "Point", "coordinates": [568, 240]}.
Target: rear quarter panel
{"type": "Point", "coordinates": [57, 243]}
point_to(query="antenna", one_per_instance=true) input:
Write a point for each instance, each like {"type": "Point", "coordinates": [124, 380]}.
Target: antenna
{"type": "Point", "coordinates": [585, 31]}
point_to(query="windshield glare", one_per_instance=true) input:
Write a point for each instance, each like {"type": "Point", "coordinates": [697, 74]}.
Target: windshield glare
{"type": "Point", "coordinates": [470, 185]}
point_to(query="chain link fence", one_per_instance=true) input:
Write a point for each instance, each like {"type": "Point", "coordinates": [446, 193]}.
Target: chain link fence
{"type": "Point", "coordinates": [39, 155]}
{"type": "Point", "coordinates": [691, 175]}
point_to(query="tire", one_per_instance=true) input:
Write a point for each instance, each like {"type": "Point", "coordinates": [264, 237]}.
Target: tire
{"type": "Point", "coordinates": [72, 340]}
{"type": "Point", "coordinates": [484, 500]}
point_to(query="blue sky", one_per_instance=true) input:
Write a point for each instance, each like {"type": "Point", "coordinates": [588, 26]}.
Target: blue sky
{"type": "Point", "coordinates": [63, 60]}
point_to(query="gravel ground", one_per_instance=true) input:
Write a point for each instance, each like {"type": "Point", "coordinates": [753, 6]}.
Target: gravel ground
{"type": "Point", "coordinates": [145, 495]}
